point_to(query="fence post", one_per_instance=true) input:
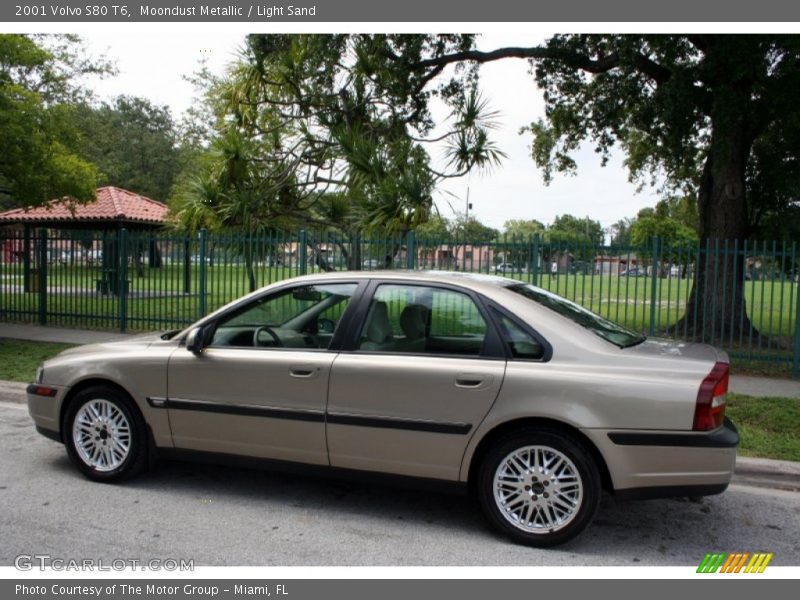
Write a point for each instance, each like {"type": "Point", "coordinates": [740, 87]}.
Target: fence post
{"type": "Point", "coordinates": [122, 279]}
{"type": "Point", "coordinates": [187, 265]}
{"type": "Point", "coordinates": [301, 252]}
{"type": "Point", "coordinates": [535, 261]}
{"type": "Point", "coordinates": [411, 251]}
{"type": "Point", "coordinates": [653, 288]}
{"type": "Point", "coordinates": [796, 365]}
{"type": "Point", "coordinates": [26, 259]}
{"type": "Point", "coordinates": [42, 277]}
{"type": "Point", "coordinates": [201, 279]}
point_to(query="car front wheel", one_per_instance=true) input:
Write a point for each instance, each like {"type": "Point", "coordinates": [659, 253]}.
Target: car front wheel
{"type": "Point", "coordinates": [539, 486]}
{"type": "Point", "coordinates": [105, 435]}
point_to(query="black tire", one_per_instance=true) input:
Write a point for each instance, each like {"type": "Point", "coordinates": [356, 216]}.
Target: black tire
{"type": "Point", "coordinates": [134, 461]}
{"type": "Point", "coordinates": [538, 535]}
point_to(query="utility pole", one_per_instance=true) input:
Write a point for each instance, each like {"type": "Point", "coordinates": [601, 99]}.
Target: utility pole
{"type": "Point", "coordinates": [466, 223]}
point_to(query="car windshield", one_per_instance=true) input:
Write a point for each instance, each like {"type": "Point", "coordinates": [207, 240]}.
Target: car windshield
{"type": "Point", "coordinates": [609, 331]}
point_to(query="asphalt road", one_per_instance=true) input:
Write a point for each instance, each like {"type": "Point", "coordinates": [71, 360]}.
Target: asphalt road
{"type": "Point", "coordinates": [225, 516]}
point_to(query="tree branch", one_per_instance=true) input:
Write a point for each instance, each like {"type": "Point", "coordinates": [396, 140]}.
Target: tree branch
{"type": "Point", "coordinates": [573, 59]}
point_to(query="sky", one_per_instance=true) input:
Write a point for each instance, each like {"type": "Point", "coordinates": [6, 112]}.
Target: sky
{"type": "Point", "coordinates": [153, 65]}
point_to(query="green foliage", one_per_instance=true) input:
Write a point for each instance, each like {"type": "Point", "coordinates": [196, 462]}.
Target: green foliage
{"type": "Point", "coordinates": [38, 86]}
{"type": "Point", "coordinates": [669, 231]}
{"type": "Point", "coordinates": [621, 232]}
{"type": "Point", "coordinates": [576, 230]}
{"type": "Point", "coordinates": [435, 229]}
{"type": "Point", "coordinates": [472, 230]}
{"type": "Point", "coordinates": [773, 182]}
{"type": "Point", "coordinates": [660, 222]}
{"type": "Point", "coordinates": [671, 103]}
{"type": "Point", "coordinates": [331, 130]}
{"type": "Point", "coordinates": [133, 143]}
{"type": "Point", "coordinates": [522, 229]}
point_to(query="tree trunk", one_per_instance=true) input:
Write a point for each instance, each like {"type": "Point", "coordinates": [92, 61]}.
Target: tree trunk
{"type": "Point", "coordinates": [248, 263]}
{"type": "Point", "coordinates": [716, 309]}
{"type": "Point", "coordinates": [352, 258]}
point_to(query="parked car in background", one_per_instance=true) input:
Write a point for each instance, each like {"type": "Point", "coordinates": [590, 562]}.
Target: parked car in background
{"type": "Point", "coordinates": [509, 268]}
{"type": "Point", "coordinates": [634, 272]}
{"type": "Point", "coordinates": [529, 400]}
{"type": "Point", "coordinates": [372, 263]}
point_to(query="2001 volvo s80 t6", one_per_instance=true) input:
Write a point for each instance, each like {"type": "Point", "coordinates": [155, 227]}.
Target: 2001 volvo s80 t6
{"type": "Point", "coordinates": [534, 402]}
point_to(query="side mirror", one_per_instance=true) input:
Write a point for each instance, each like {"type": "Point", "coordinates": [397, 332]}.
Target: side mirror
{"type": "Point", "coordinates": [194, 341]}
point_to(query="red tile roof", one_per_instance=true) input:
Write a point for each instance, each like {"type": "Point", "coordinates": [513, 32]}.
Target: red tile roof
{"type": "Point", "coordinates": [112, 204]}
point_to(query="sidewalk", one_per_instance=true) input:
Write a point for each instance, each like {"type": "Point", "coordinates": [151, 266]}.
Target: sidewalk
{"type": "Point", "coordinates": [37, 333]}
{"type": "Point", "coordinates": [764, 387]}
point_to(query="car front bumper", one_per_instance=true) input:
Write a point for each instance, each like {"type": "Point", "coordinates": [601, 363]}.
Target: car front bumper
{"type": "Point", "coordinates": [44, 407]}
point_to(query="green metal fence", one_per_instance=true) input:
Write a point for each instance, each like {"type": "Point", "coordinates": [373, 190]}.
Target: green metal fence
{"type": "Point", "coordinates": [740, 295]}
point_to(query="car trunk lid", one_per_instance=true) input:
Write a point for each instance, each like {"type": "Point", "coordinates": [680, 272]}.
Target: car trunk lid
{"type": "Point", "coordinates": [661, 347]}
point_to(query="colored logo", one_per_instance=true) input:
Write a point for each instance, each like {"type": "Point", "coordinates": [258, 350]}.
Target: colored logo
{"type": "Point", "coordinates": [735, 562]}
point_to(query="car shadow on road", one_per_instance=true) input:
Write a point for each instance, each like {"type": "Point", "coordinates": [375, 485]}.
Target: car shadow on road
{"type": "Point", "coordinates": [652, 532]}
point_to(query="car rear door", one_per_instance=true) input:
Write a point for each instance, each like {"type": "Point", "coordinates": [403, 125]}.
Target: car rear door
{"type": "Point", "coordinates": [421, 373]}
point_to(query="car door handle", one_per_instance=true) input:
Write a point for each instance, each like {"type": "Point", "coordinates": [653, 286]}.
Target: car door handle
{"type": "Point", "coordinates": [472, 380]}
{"type": "Point", "coordinates": [303, 371]}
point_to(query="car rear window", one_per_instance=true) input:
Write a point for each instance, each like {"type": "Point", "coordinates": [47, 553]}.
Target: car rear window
{"type": "Point", "coordinates": [608, 330]}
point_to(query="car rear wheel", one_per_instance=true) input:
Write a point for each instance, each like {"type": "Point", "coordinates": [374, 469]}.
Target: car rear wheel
{"type": "Point", "coordinates": [105, 434]}
{"type": "Point", "coordinates": [539, 486]}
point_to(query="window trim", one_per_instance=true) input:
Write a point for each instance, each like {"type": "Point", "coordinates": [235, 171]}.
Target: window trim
{"type": "Point", "coordinates": [492, 349]}
{"type": "Point", "coordinates": [339, 333]}
{"type": "Point", "coordinates": [496, 310]}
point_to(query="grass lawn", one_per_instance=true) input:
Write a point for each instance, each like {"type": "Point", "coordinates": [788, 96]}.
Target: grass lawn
{"type": "Point", "coordinates": [19, 359]}
{"type": "Point", "coordinates": [768, 427]}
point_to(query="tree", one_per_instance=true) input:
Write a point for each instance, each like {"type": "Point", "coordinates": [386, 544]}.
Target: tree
{"type": "Point", "coordinates": [38, 87]}
{"type": "Point", "coordinates": [690, 110]}
{"type": "Point", "coordinates": [435, 230]}
{"type": "Point", "coordinates": [522, 229]}
{"type": "Point", "coordinates": [773, 185]}
{"type": "Point", "coordinates": [675, 239]}
{"type": "Point", "coordinates": [576, 230]}
{"type": "Point", "coordinates": [621, 232]}
{"type": "Point", "coordinates": [472, 231]}
{"type": "Point", "coordinates": [346, 115]}
{"type": "Point", "coordinates": [133, 143]}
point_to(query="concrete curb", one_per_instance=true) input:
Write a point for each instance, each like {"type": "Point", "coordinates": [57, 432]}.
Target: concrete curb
{"type": "Point", "coordinates": [765, 472]}
{"type": "Point", "coordinates": [12, 391]}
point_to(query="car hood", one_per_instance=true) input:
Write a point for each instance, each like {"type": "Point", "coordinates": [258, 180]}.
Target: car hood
{"type": "Point", "coordinates": [671, 348]}
{"type": "Point", "coordinates": [133, 343]}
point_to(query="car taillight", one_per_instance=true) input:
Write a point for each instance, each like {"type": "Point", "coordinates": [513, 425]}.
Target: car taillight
{"type": "Point", "coordinates": [709, 411]}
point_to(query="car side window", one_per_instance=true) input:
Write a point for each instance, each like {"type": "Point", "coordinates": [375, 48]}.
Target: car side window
{"type": "Point", "coordinates": [304, 317]}
{"type": "Point", "coordinates": [522, 344]}
{"type": "Point", "coordinates": [408, 319]}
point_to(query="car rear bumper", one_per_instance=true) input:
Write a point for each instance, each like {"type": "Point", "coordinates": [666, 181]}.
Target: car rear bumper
{"type": "Point", "coordinates": [668, 463]}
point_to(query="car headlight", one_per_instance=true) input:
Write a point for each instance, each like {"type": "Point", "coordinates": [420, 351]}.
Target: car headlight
{"type": "Point", "coordinates": [39, 374]}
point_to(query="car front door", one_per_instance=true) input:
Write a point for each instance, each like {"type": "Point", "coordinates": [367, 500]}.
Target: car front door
{"type": "Point", "coordinates": [260, 386]}
{"type": "Point", "coordinates": [417, 381]}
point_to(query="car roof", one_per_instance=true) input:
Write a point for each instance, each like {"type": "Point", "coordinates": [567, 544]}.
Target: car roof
{"type": "Point", "coordinates": [472, 280]}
